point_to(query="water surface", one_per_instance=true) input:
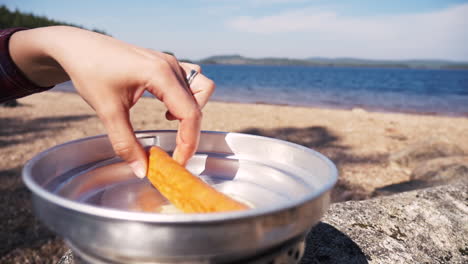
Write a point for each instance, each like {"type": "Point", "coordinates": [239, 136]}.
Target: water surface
{"type": "Point", "coordinates": [383, 89]}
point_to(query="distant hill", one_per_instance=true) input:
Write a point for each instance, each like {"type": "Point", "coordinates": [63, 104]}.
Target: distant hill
{"type": "Point", "coordinates": [17, 18]}
{"type": "Point", "coordinates": [237, 59]}
{"type": "Point", "coordinates": [404, 63]}
{"type": "Point", "coordinates": [334, 62]}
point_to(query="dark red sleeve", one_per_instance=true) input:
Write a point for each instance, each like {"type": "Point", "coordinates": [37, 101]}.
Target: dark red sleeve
{"type": "Point", "coordinates": [13, 83]}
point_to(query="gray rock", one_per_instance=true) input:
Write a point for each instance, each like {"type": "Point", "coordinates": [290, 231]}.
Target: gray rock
{"type": "Point", "coordinates": [412, 155]}
{"type": "Point", "coordinates": [424, 226]}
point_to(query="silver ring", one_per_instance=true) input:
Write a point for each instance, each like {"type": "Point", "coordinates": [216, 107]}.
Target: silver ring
{"type": "Point", "coordinates": [191, 76]}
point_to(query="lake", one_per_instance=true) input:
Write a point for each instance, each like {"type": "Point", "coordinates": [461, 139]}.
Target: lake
{"type": "Point", "coordinates": [383, 89]}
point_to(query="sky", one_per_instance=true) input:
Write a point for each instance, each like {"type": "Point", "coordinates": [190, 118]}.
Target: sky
{"type": "Point", "coordinates": [370, 29]}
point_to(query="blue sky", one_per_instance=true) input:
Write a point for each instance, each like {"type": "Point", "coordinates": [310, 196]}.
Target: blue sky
{"type": "Point", "coordinates": [384, 29]}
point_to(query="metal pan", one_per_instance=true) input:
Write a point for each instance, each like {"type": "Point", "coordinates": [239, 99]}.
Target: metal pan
{"type": "Point", "coordinates": [85, 194]}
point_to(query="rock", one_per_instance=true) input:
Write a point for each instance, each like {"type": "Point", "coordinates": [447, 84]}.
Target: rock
{"type": "Point", "coordinates": [412, 155]}
{"type": "Point", "coordinates": [424, 226]}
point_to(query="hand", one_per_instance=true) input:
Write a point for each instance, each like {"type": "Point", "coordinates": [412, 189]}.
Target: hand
{"type": "Point", "coordinates": [111, 76]}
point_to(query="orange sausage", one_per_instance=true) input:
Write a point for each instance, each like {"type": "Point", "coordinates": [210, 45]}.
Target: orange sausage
{"type": "Point", "coordinates": [187, 192]}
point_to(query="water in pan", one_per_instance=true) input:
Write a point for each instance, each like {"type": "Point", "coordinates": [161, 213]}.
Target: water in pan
{"type": "Point", "coordinates": [112, 184]}
{"type": "Point", "coordinates": [137, 195]}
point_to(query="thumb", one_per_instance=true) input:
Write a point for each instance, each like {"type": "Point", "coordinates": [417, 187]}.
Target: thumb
{"type": "Point", "coordinates": [124, 142]}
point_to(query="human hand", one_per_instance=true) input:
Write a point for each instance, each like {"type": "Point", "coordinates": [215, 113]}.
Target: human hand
{"type": "Point", "coordinates": [111, 76]}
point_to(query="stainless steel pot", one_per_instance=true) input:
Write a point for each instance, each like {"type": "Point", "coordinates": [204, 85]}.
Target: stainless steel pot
{"type": "Point", "coordinates": [90, 198]}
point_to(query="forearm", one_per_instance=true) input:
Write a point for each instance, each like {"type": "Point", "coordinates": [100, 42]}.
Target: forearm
{"type": "Point", "coordinates": [29, 51]}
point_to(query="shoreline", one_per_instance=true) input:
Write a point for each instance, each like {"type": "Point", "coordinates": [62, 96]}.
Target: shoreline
{"type": "Point", "coordinates": [351, 108]}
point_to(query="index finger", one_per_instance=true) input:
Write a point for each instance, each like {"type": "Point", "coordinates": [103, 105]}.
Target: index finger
{"type": "Point", "coordinates": [188, 136]}
{"type": "Point", "coordinates": [182, 105]}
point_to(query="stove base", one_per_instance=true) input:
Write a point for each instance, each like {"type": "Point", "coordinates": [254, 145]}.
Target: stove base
{"type": "Point", "coordinates": [288, 253]}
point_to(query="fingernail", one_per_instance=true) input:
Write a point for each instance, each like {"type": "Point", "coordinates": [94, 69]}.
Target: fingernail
{"type": "Point", "coordinates": [138, 169]}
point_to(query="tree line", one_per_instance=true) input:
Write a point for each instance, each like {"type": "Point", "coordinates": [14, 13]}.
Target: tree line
{"type": "Point", "coordinates": [10, 19]}
{"type": "Point", "coordinates": [16, 18]}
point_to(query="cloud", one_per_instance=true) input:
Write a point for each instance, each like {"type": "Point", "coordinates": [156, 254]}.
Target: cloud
{"type": "Point", "coordinates": [437, 34]}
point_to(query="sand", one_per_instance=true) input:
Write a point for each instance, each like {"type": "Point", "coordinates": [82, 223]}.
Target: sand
{"type": "Point", "coordinates": [358, 141]}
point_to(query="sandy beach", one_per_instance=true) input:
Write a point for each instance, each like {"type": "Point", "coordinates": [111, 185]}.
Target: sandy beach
{"type": "Point", "coordinates": [358, 141]}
